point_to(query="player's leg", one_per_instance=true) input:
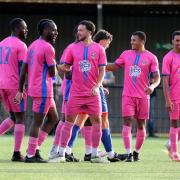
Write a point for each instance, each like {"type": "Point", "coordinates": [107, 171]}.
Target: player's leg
{"type": "Point", "coordinates": [87, 133]}
{"type": "Point", "coordinates": [173, 133]}
{"type": "Point", "coordinates": [106, 135]}
{"type": "Point", "coordinates": [81, 118]}
{"type": "Point", "coordinates": [128, 113]}
{"type": "Point", "coordinates": [94, 109]}
{"type": "Point", "coordinates": [48, 124]}
{"type": "Point", "coordinates": [19, 129]}
{"type": "Point", "coordinates": [107, 141]}
{"type": "Point", "coordinates": [56, 142]}
{"type": "Point", "coordinates": [173, 137]}
{"type": "Point", "coordinates": [140, 137]}
{"type": "Point", "coordinates": [142, 115]}
{"type": "Point", "coordinates": [9, 122]}
{"type": "Point", "coordinates": [40, 109]}
{"type": "Point", "coordinates": [65, 137]}
{"type": "Point", "coordinates": [127, 136]}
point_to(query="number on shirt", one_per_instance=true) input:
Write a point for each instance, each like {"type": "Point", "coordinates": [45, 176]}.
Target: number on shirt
{"type": "Point", "coordinates": [6, 59]}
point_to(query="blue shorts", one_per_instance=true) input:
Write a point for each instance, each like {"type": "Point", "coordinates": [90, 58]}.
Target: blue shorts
{"type": "Point", "coordinates": [103, 100]}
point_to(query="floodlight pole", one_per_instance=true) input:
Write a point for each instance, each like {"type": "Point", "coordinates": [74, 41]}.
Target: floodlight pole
{"type": "Point", "coordinates": [99, 16]}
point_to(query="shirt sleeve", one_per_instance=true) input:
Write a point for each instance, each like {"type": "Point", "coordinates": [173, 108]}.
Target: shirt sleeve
{"type": "Point", "coordinates": [63, 57]}
{"type": "Point", "coordinates": [120, 60]}
{"type": "Point", "coordinates": [102, 58]}
{"type": "Point", "coordinates": [68, 56]}
{"type": "Point", "coordinates": [154, 64]}
{"type": "Point", "coordinates": [166, 65]}
{"type": "Point", "coordinates": [28, 56]}
{"type": "Point", "coordinates": [50, 56]}
{"type": "Point", "coordinates": [22, 52]}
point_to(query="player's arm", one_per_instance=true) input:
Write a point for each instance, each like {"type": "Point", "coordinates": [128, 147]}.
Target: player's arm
{"type": "Point", "coordinates": [155, 81]}
{"type": "Point", "coordinates": [112, 67]}
{"type": "Point", "coordinates": [63, 67]}
{"type": "Point", "coordinates": [52, 70]}
{"type": "Point", "coordinates": [22, 79]}
{"type": "Point", "coordinates": [169, 103]}
{"type": "Point", "coordinates": [95, 89]}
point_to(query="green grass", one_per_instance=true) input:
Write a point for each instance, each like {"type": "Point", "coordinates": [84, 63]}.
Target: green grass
{"type": "Point", "coordinates": [154, 164]}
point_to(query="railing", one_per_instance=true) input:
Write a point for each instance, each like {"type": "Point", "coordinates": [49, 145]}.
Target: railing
{"type": "Point", "coordinates": [159, 113]}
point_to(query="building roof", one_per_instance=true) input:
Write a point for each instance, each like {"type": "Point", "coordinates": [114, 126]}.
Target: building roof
{"type": "Point", "coordinates": [120, 2]}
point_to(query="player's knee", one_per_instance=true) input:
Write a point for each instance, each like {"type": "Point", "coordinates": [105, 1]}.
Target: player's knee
{"type": "Point", "coordinates": [88, 122]}
{"type": "Point", "coordinates": [96, 119]}
{"type": "Point", "coordinates": [174, 124]}
{"type": "Point", "coordinates": [12, 116]}
{"type": "Point", "coordinates": [127, 121]}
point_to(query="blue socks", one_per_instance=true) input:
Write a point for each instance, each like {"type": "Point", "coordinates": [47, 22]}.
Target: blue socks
{"type": "Point", "coordinates": [75, 132]}
{"type": "Point", "coordinates": [106, 139]}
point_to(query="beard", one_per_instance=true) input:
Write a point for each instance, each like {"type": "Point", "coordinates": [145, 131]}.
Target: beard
{"type": "Point", "coordinates": [81, 39]}
{"type": "Point", "coordinates": [50, 39]}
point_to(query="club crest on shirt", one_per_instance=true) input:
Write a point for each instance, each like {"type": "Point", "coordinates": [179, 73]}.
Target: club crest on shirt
{"type": "Point", "coordinates": [135, 71]}
{"type": "Point", "coordinates": [93, 55]}
{"type": "Point", "coordinates": [85, 66]}
{"type": "Point", "coordinates": [144, 62]}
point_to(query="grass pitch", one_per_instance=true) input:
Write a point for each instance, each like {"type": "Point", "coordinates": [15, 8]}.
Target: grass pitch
{"type": "Point", "coordinates": [154, 164]}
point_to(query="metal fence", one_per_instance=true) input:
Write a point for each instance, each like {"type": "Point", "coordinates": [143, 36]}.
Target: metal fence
{"type": "Point", "coordinates": [158, 111]}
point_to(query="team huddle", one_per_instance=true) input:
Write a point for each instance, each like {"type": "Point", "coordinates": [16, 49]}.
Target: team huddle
{"type": "Point", "coordinates": [82, 67]}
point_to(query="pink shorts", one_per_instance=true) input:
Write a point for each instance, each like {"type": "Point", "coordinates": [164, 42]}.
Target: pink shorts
{"type": "Point", "coordinates": [90, 105]}
{"type": "Point", "coordinates": [7, 96]}
{"type": "Point", "coordinates": [137, 107]}
{"type": "Point", "coordinates": [43, 104]}
{"type": "Point", "coordinates": [175, 113]}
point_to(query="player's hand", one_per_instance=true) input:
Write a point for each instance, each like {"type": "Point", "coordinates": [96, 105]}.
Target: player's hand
{"type": "Point", "coordinates": [169, 105]}
{"type": "Point", "coordinates": [106, 91]}
{"type": "Point", "coordinates": [18, 97]}
{"type": "Point", "coordinates": [95, 90]}
{"type": "Point", "coordinates": [149, 90]}
{"type": "Point", "coordinates": [63, 67]}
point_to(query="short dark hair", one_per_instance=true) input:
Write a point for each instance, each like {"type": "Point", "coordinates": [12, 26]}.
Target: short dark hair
{"type": "Point", "coordinates": [101, 35]}
{"type": "Point", "coordinates": [141, 35]}
{"type": "Point", "coordinates": [43, 23]}
{"type": "Point", "coordinates": [175, 33]}
{"type": "Point", "coordinates": [14, 23]}
{"type": "Point", "coordinates": [89, 25]}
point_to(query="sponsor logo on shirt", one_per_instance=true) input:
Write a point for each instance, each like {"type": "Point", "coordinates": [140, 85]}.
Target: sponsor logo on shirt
{"type": "Point", "coordinates": [85, 66]}
{"type": "Point", "coordinates": [135, 71]}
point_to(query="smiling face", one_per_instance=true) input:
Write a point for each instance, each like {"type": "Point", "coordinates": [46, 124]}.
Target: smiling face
{"type": "Point", "coordinates": [51, 33]}
{"type": "Point", "coordinates": [22, 30]}
{"type": "Point", "coordinates": [136, 43]}
{"type": "Point", "coordinates": [176, 42]}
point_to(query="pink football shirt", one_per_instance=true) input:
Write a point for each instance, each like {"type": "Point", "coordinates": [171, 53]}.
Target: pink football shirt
{"type": "Point", "coordinates": [40, 56]}
{"type": "Point", "coordinates": [137, 67]}
{"type": "Point", "coordinates": [171, 67]}
{"type": "Point", "coordinates": [61, 61]}
{"type": "Point", "coordinates": [12, 54]}
{"type": "Point", "coordinates": [85, 61]}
